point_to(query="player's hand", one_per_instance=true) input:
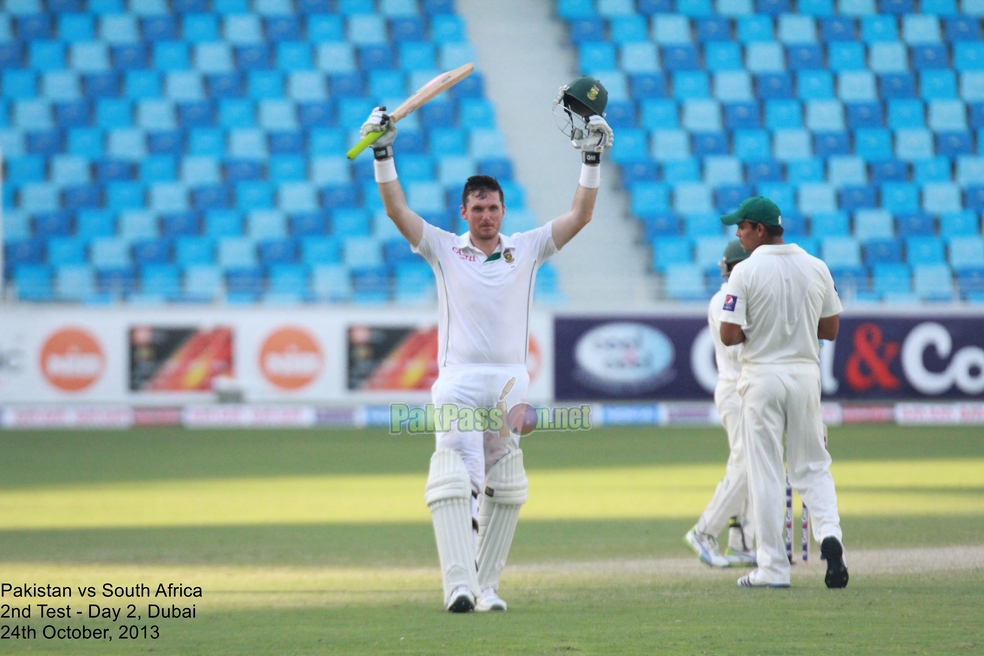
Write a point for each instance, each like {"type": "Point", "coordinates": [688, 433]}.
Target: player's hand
{"type": "Point", "coordinates": [379, 121]}
{"type": "Point", "coordinates": [596, 136]}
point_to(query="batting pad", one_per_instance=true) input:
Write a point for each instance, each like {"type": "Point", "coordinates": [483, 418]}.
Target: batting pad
{"type": "Point", "coordinates": [448, 495]}
{"type": "Point", "coordinates": [506, 489]}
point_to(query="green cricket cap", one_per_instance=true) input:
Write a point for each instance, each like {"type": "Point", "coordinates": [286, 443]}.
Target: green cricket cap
{"type": "Point", "coordinates": [755, 209]}
{"type": "Point", "coordinates": [733, 252]}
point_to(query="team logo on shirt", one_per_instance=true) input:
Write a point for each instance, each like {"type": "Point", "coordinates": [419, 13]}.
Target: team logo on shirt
{"type": "Point", "coordinates": [507, 255]}
{"type": "Point", "coordinates": [729, 302]}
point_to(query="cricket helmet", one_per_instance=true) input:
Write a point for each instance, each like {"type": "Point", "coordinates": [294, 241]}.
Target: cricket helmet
{"type": "Point", "coordinates": [577, 102]}
{"type": "Point", "coordinates": [733, 253]}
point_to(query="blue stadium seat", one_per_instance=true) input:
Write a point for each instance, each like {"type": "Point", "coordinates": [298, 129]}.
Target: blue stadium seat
{"type": "Point", "coordinates": [844, 56]}
{"type": "Point", "coordinates": [896, 85]}
{"type": "Point", "coordinates": [959, 224]}
{"type": "Point", "coordinates": [900, 197]}
{"type": "Point", "coordinates": [830, 224]}
{"type": "Point", "coordinates": [890, 278]}
{"type": "Point", "coordinates": [671, 250]}
{"type": "Point", "coordinates": [914, 224]}
{"type": "Point", "coordinates": [840, 252]}
{"type": "Point", "coordinates": [955, 143]}
{"type": "Point", "coordinates": [889, 170]}
{"type": "Point", "coordinates": [873, 225]}
{"type": "Point", "coordinates": [855, 197]}
{"type": "Point", "coordinates": [829, 144]}
{"type": "Point", "coordinates": [933, 282]}
{"type": "Point", "coordinates": [838, 28]}
{"type": "Point", "coordinates": [883, 251]}
{"type": "Point", "coordinates": [774, 86]}
{"type": "Point", "coordinates": [961, 28]}
{"type": "Point", "coordinates": [924, 250]}
{"type": "Point", "coordinates": [710, 28]}
{"type": "Point", "coordinates": [966, 253]}
{"type": "Point", "coordinates": [970, 284]}
{"type": "Point", "coordinates": [684, 282]}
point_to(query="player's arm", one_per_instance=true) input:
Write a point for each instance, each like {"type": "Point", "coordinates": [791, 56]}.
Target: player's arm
{"type": "Point", "coordinates": [408, 222]}
{"type": "Point", "coordinates": [731, 333]}
{"type": "Point", "coordinates": [597, 137]}
{"type": "Point", "coordinates": [828, 327]}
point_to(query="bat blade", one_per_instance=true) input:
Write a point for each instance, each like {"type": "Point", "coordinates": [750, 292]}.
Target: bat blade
{"type": "Point", "coordinates": [421, 97]}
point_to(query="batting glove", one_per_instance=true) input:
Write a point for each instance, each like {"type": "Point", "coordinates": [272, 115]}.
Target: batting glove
{"type": "Point", "coordinates": [379, 121]}
{"type": "Point", "coordinates": [596, 137]}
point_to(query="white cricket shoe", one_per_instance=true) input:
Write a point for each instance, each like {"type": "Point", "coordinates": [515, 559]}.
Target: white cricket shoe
{"type": "Point", "coordinates": [489, 600]}
{"type": "Point", "coordinates": [706, 547]}
{"type": "Point", "coordinates": [750, 580]}
{"type": "Point", "coordinates": [740, 558]}
{"type": "Point", "coordinates": [461, 600]}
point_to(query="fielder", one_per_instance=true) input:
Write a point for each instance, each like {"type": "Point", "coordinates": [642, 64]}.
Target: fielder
{"type": "Point", "coordinates": [778, 303]}
{"type": "Point", "coordinates": [485, 279]}
{"type": "Point", "coordinates": [731, 496]}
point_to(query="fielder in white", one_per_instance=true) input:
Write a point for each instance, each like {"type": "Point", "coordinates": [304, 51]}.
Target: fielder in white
{"type": "Point", "coordinates": [485, 280]}
{"type": "Point", "coordinates": [730, 499]}
{"type": "Point", "coordinates": [778, 303]}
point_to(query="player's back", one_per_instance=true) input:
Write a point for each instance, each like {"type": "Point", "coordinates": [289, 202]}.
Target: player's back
{"type": "Point", "coordinates": [786, 292]}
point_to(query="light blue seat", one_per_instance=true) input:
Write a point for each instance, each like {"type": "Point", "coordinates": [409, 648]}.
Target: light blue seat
{"type": "Point", "coordinates": [752, 145]}
{"type": "Point", "coordinates": [426, 197]}
{"type": "Point", "coordinates": [931, 169]}
{"type": "Point", "coordinates": [648, 198]}
{"type": "Point", "coordinates": [959, 224]}
{"type": "Point", "coordinates": [839, 252]}
{"type": "Point", "coordinates": [113, 113]}
{"type": "Point", "coordinates": [702, 224]}
{"type": "Point", "coordinates": [670, 29]}
{"type": "Point", "coordinates": [842, 170]}
{"type": "Point", "coordinates": [236, 252]}
{"type": "Point", "coordinates": [797, 29]}
{"type": "Point", "coordinates": [628, 29]}
{"type": "Point", "coordinates": [941, 197]}
{"type": "Point", "coordinates": [74, 282]}
{"type": "Point", "coordinates": [972, 86]}
{"type": "Point", "coordinates": [118, 28]}
{"type": "Point", "coordinates": [288, 280]}
{"type": "Point", "coordinates": [330, 170]}
{"type": "Point", "coordinates": [455, 170]}
{"type": "Point", "coordinates": [783, 114]}
{"type": "Point", "coordinates": [277, 115]}
{"type": "Point", "coordinates": [906, 114]}
{"type": "Point", "coordinates": [830, 224]}
{"type": "Point", "coordinates": [816, 197]}
{"type": "Point", "coordinates": [968, 56]}
{"type": "Point", "coordinates": [213, 57]}
{"type": "Point", "coordinates": [247, 144]}
{"type": "Point", "coordinates": [636, 57]}
{"type": "Point", "coordinates": [722, 170]}
{"type": "Point", "coordinates": [733, 86]}
{"type": "Point", "coordinates": [681, 170]}
{"type": "Point", "coordinates": [873, 144]}
{"type": "Point", "coordinates": [362, 252]}
{"type": "Point", "coordinates": [266, 224]}
{"type": "Point", "coordinates": [792, 144]}
{"type": "Point", "coordinates": [336, 57]}
{"type": "Point", "coordinates": [937, 84]}
{"type": "Point", "coordinates": [708, 250]}
{"type": "Point", "coordinates": [369, 29]}
{"type": "Point", "coordinates": [856, 86]}
{"type": "Point", "coordinates": [702, 115]}
{"type": "Point", "coordinates": [780, 193]}
{"type": "Point", "coordinates": [138, 225]}
{"type": "Point", "coordinates": [194, 250]}
{"type": "Point", "coordinates": [670, 144]}
{"type": "Point", "coordinates": [824, 115]}
{"type": "Point", "coordinates": [947, 115]}
{"type": "Point", "coordinates": [924, 250]}
{"type": "Point", "coordinates": [168, 197]}
{"type": "Point", "coordinates": [846, 56]}
{"type": "Point", "coordinates": [453, 55]}
{"type": "Point", "coordinates": [812, 84]}
{"type": "Point", "coordinates": [63, 85]}
{"type": "Point", "coordinates": [754, 29]}
{"type": "Point", "coordinates": [331, 282]}
{"type": "Point", "coordinates": [659, 114]}
{"type": "Point", "coordinates": [920, 29]}
{"type": "Point", "coordinates": [294, 56]}
{"type": "Point", "coordinates": [182, 86]}
{"type": "Point", "coordinates": [684, 282]}
{"type": "Point", "coordinates": [671, 250]}
{"type": "Point", "coordinates": [306, 86]}
{"type": "Point", "coordinates": [200, 170]}
{"type": "Point", "coordinates": [767, 57]}
{"type": "Point", "coordinates": [414, 283]}
{"type": "Point", "coordinates": [933, 282]}
{"type": "Point", "coordinates": [888, 57]}
{"type": "Point", "coordinates": [805, 170]}
{"type": "Point", "coordinates": [690, 197]}
{"type": "Point", "coordinates": [900, 197]}
{"type": "Point", "coordinates": [873, 224]}
{"type": "Point", "coordinates": [879, 28]}
{"type": "Point", "coordinates": [891, 279]}
{"type": "Point", "coordinates": [69, 170]}
{"type": "Point", "coordinates": [110, 252]}
{"type": "Point", "coordinates": [966, 252]}
{"type": "Point", "coordinates": [204, 281]}
{"type": "Point", "coordinates": [66, 250]}
{"type": "Point", "coordinates": [722, 56]}
{"type": "Point", "coordinates": [913, 144]}
{"type": "Point", "coordinates": [297, 197]}
{"type": "Point", "coordinates": [242, 29]}
{"type": "Point", "coordinates": [223, 223]}
{"type": "Point", "coordinates": [690, 84]}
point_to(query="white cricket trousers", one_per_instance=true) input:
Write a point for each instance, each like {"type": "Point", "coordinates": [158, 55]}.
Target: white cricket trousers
{"type": "Point", "coordinates": [731, 494]}
{"type": "Point", "coordinates": [479, 386]}
{"type": "Point", "coordinates": [775, 400]}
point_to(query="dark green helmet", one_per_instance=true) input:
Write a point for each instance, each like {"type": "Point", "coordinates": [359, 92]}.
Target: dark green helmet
{"type": "Point", "coordinates": [733, 253]}
{"type": "Point", "coordinates": [586, 96]}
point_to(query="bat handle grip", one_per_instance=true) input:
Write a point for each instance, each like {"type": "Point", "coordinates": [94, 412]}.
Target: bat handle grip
{"type": "Point", "coordinates": [364, 143]}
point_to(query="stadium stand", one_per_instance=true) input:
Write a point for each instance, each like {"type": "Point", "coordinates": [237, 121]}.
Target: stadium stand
{"type": "Point", "coordinates": [864, 121]}
{"type": "Point", "coordinates": [193, 150]}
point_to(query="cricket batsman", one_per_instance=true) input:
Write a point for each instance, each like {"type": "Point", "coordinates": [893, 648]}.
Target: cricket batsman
{"type": "Point", "coordinates": [485, 279]}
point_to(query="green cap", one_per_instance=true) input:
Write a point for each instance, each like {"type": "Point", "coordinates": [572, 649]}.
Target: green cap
{"type": "Point", "coordinates": [755, 209]}
{"type": "Point", "coordinates": [587, 96]}
{"type": "Point", "coordinates": [733, 252]}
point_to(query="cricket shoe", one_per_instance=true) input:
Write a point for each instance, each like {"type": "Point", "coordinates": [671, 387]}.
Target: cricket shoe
{"type": "Point", "coordinates": [752, 581]}
{"type": "Point", "coordinates": [740, 558]}
{"type": "Point", "coordinates": [489, 600]}
{"type": "Point", "coordinates": [706, 548]}
{"type": "Point", "coordinates": [833, 552]}
{"type": "Point", "coordinates": [461, 600]}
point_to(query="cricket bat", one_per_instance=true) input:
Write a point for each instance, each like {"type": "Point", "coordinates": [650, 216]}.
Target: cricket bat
{"type": "Point", "coordinates": [423, 95]}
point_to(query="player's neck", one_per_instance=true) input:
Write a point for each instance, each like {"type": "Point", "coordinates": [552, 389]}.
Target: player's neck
{"type": "Point", "coordinates": [487, 246]}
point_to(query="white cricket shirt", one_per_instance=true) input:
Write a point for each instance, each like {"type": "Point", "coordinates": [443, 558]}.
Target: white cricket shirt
{"type": "Point", "coordinates": [484, 302]}
{"type": "Point", "coordinates": [728, 364]}
{"type": "Point", "coordinates": [778, 296]}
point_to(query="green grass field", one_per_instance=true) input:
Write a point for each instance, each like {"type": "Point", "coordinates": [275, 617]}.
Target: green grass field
{"type": "Point", "coordinates": [314, 542]}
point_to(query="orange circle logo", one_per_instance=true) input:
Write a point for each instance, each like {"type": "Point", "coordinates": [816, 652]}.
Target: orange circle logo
{"type": "Point", "coordinates": [72, 359]}
{"type": "Point", "coordinates": [290, 358]}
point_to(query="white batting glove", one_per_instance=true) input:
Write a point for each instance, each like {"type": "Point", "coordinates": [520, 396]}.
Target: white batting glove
{"type": "Point", "coordinates": [379, 121]}
{"type": "Point", "coordinates": [596, 137]}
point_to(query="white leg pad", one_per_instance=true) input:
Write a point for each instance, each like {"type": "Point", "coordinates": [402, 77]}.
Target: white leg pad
{"type": "Point", "coordinates": [448, 495]}
{"type": "Point", "coordinates": [506, 488]}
